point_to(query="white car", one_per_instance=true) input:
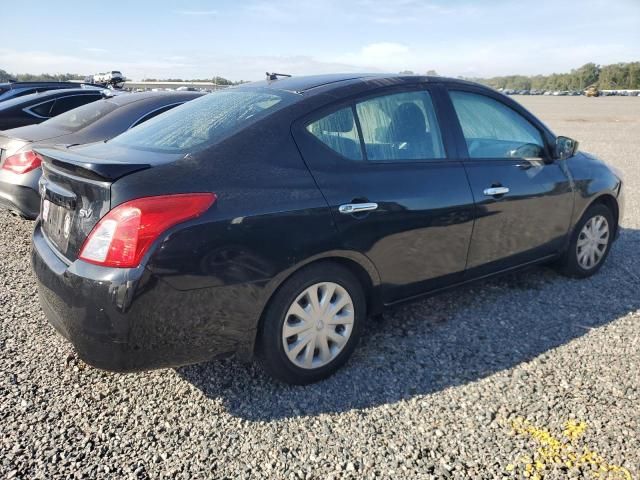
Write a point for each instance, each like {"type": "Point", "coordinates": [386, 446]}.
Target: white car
{"type": "Point", "coordinates": [114, 77]}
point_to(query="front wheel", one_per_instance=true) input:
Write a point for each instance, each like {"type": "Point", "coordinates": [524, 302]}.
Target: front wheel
{"type": "Point", "coordinates": [590, 243]}
{"type": "Point", "coordinates": [312, 325]}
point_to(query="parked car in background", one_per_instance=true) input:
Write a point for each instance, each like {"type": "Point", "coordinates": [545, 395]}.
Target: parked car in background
{"type": "Point", "coordinates": [115, 78]}
{"type": "Point", "coordinates": [98, 121]}
{"type": "Point", "coordinates": [18, 89]}
{"type": "Point", "coordinates": [38, 107]}
{"type": "Point", "coordinates": [275, 217]}
{"type": "Point", "coordinates": [592, 91]}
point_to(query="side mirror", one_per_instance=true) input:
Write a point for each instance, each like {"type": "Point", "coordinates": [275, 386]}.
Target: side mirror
{"type": "Point", "coordinates": [565, 148]}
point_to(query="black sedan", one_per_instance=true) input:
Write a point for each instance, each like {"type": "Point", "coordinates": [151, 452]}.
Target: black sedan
{"type": "Point", "coordinates": [18, 89]}
{"type": "Point", "coordinates": [38, 107]}
{"type": "Point", "coordinates": [20, 166]}
{"type": "Point", "coordinates": [274, 218]}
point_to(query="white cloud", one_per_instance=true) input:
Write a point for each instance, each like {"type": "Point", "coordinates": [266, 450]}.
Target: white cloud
{"type": "Point", "coordinates": [383, 56]}
{"type": "Point", "coordinates": [197, 13]}
{"type": "Point", "coordinates": [38, 61]}
{"type": "Point", "coordinates": [95, 50]}
{"type": "Point", "coordinates": [421, 12]}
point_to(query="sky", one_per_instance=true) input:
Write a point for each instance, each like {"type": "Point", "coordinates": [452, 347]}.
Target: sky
{"type": "Point", "coordinates": [240, 40]}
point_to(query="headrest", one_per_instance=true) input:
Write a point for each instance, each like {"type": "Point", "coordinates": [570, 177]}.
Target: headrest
{"type": "Point", "coordinates": [408, 122]}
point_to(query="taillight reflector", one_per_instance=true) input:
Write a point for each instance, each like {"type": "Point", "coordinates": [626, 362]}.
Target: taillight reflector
{"type": "Point", "coordinates": [123, 236]}
{"type": "Point", "coordinates": [22, 162]}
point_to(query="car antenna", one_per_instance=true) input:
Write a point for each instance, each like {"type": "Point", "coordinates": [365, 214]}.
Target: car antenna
{"type": "Point", "coordinates": [274, 76]}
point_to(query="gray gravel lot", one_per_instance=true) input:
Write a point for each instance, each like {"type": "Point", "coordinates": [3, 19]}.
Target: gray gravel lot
{"type": "Point", "coordinates": [468, 384]}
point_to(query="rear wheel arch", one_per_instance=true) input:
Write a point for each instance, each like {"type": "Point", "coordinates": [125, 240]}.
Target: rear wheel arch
{"type": "Point", "coordinates": [362, 269]}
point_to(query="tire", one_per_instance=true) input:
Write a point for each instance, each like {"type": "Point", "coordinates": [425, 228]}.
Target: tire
{"type": "Point", "coordinates": [569, 264]}
{"type": "Point", "coordinates": [278, 344]}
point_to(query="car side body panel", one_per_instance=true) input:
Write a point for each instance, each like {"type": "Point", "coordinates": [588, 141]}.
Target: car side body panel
{"type": "Point", "coordinates": [593, 179]}
{"type": "Point", "coordinates": [418, 237]}
{"type": "Point", "coordinates": [202, 287]}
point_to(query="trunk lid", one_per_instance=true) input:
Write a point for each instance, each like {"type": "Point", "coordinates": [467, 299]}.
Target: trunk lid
{"type": "Point", "coordinates": [75, 192]}
{"type": "Point", "coordinates": [35, 133]}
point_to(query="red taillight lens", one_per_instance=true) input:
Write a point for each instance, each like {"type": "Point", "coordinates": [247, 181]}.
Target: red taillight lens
{"type": "Point", "coordinates": [123, 236]}
{"type": "Point", "coordinates": [22, 162]}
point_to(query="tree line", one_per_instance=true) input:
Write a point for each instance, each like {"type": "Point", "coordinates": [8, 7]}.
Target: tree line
{"type": "Point", "coordinates": [65, 77]}
{"type": "Point", "coordinates": [216, 80]}
{"type": "Point", "coordinates": [617, 76]}
{"type": "Point", "coordinates": [43, 77]}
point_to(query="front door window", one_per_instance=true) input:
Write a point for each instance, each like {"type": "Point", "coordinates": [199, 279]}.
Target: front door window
{"type": "Point", "coordinates": [493, 130]}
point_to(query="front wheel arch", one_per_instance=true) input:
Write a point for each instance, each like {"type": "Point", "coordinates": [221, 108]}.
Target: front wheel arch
{"type": "Point", "coordinates": [611, 203]}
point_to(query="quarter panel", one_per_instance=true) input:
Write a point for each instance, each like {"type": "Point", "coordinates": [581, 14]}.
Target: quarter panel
{"type": "Point", "coordinates": [269, 214]}
{"type": "Point", "coordinates": [592, 178]}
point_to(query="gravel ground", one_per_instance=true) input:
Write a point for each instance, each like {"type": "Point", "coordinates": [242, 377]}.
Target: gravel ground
{"type": "Point", "coordinates": [531, 373]}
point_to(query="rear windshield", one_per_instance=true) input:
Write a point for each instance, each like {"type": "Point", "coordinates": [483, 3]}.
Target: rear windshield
{"type": "Point", "coordinates": [83, 116]}
{"type": "Point", "coordinates": [205, 120]}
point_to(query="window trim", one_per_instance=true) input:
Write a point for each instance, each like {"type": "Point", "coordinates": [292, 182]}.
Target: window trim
{"type": "Point", "coordinates": [461, 141]}
{"type": "Point", "coordinates": [433, 89]}
{"type": "Point", "coordinates": [29, 110]}
{"type": "Point", "coordinates": [54, 100]}
{"type": "Point", "coordinates": [171, 105]}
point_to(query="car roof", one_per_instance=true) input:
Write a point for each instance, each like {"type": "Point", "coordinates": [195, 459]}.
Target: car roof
{"type": "Point", "coordinates": [48, 94]}
{"type": "Point", "coordinates": [15, 85]}
{"type": "Point", "coordinates": [310, 84]}
{"type": "Point", "coordinates": [128, 98]}
{"type": "Point", "coordinates": [307, 82]}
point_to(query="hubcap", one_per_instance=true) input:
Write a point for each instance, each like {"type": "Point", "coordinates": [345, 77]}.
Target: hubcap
{"type": "Point", "coordinates": [592, 242]}
{"type": "Point", "coordinates": [318, 325]}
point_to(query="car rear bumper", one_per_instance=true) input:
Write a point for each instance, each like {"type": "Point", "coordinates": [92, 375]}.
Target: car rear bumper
{"type": "Point", "coordinates": [21, 199]}
{"type": "Point", "coordinates": [128, 319]}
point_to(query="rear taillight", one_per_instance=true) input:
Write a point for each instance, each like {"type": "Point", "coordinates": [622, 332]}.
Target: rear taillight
{"type": "Point", "coordinates": [22, 162]}
{"type": "Point", "coordinates": [123, 236]}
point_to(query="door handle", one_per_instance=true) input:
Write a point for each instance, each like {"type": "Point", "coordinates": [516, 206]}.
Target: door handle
{"type": "Point", "coordinates": [493, 191]}
{"type": "Point", "coordinates": [349, 208]}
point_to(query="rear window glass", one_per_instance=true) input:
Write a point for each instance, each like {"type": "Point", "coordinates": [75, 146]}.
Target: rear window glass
{"type": "Point", "coordinates": [80, 117]}
{"type": "Point", "coordinates": [206, 120]}
{"type": "Point", "coordinates": [44, 109]}
{"type": "Point", "coordinates": [338, 132]}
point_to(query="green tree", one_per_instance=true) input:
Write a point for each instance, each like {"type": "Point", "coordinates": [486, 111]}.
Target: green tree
{"type": "Point", "coordinates": [4, 76]}
{"type": "Point", "coordinates": [615, 76]}
{"type": "Point", "coordinates": [587, 75]}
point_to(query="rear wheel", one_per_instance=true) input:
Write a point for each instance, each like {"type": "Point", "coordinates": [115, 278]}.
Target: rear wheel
{"type": "Point", "coordinates": [590, 243]}
{"type": "Point", "coordinates": [312, 325]}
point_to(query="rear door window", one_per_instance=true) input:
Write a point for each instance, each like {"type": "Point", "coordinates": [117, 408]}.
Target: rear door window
{"type": "Point", "coordinates": [400, 126]}
{"type": "Point", "coordinates": [83, 116]}
{"type": "Point", "coordinates": [64, 104]}
{"type": "Point", "coordinates": [338, 132]}
{"type": "Point", "coordinates": [43, 109]}
{"type": "Point", "coordinates": [492, 129]}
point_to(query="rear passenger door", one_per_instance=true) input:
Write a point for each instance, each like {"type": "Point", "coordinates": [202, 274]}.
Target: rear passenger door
{"type": "Point", "coordinates": [382, 162]}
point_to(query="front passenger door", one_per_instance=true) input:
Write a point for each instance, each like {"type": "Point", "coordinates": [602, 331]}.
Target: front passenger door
{"type": "Point", "coordinates": [524, 200]}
